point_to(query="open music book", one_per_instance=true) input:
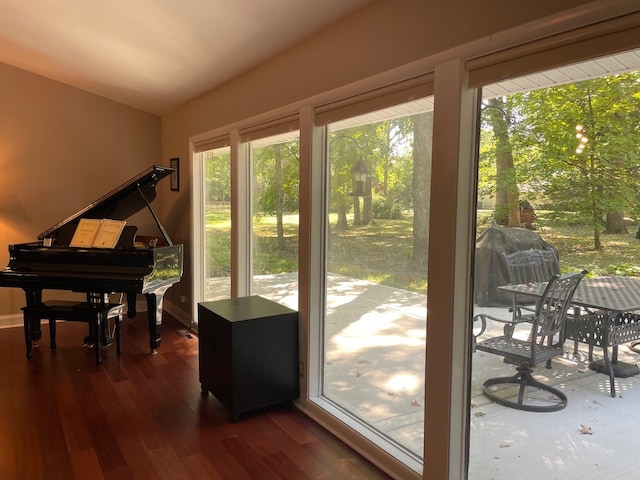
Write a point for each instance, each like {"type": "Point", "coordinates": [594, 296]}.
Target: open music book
{"type": "Point", "coordinates": [98, 233]}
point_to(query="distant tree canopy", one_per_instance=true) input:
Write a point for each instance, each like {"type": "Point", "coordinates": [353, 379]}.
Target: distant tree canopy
{"type": "Point", "coordinates": [600, 181]}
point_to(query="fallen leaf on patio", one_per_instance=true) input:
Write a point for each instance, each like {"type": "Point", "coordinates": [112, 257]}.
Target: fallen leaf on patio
{"type": "Point", "coordinates": [505, 445]}
{"type": "Point", "coordinates": [359, 374]}
{"type": "Point", "coordinates": [329, 363]}
{"type": "Point", "coordinates": [363, 362]}
{"type": "Point", "coordinates": [391, 394]}
{"type": "Point", "coordinates": [415, 403]}
{"type": "Point", "coordinates": [479, 414]}
{"type": "Point", "coordinates": [585, 430]}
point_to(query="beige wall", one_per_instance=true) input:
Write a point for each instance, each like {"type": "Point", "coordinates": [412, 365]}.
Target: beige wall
{"type": "Point", "coordinates": [61, 149]}
{"type": "Point", "coordinates": [386, 35]}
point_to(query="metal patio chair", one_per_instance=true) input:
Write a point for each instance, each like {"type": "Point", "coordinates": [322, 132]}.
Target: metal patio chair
{"type": "Point", "coordinates": [522, 266]}
{"type": "Point", "coordinates": [546, 342]}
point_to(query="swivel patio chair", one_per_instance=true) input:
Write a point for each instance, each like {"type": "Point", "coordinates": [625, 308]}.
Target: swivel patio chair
{"type": "Point", "coordinates": [522, 266]}
{"type": "Point", "coordinates": [545, 342]}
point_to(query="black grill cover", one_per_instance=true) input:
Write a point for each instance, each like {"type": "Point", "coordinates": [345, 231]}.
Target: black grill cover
{"type": "Point", "coordinates": [490, 268]}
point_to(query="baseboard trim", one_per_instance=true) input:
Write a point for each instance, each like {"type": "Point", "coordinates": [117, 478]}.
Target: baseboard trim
{"type": "Point", "coordinates": [15, 320]}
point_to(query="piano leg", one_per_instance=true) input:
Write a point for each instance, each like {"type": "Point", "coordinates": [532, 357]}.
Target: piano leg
{"type": "Point", "coordinates": [131, 304]}
{"type": "Point", "coordinates": [154, 312]}
{"type": "Point", "coordinates": [27, 334]}
{"type": "Point", "coordinates": [32, 330]}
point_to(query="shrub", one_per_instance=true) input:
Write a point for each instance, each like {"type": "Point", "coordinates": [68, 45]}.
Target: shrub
{"type": "Point", "coordinates": [386, 208]}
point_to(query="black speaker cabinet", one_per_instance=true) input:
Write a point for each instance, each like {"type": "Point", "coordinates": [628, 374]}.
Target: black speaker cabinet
{"type": "Point", "coordinates": [248, 353]}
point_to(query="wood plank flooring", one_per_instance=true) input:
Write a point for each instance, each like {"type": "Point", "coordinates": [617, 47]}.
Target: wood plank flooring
{"type": "Point", "coordinates": [142, 416]}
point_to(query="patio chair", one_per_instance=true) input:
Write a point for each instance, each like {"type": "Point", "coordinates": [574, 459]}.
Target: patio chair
{"type": "Point", "coordinates": [522, 266]}
{"type": "Point", "coordinates": [545, 342]}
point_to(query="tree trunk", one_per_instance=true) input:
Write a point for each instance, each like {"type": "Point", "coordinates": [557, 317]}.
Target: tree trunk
{"type": "Point", "coordinates": [421, 186]}
{"type": "Point", "coordinates": [357, 216]}
{"type": "Point", "coordinates": [507, 198]}
{"type": "Point", "coordinates": [342, 218]}
{"type": "Point", "coordinates": [367, 204]}
{"type": "Point", "coordinates": [278, 186]}
{"type": "Point", "coordinates": [615, 223]}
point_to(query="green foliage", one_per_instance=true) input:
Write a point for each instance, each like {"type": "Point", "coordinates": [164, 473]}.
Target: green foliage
{"type": "Point", "coordinates": [217, 178]}
{"type": "Point", "coordinates": [604, 176]}
{"type": "Point", "coordinates": [265, 179]}
{"type": "Point", "coordinates": [386, 149]}
{"type": "Point", "coordinates": [619, 255]}
{"type": "Point", "coordinates": [386, 208]}
{"type": "Point", "coordinates": [383, 253]}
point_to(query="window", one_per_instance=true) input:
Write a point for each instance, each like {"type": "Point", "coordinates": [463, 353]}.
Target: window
{"type": "Point", "coordinates": [378, 171]}
{"type": "Point", "coordinates": [275, 164]}
{"type": "Point", "coordinates": [564, 144]}
{"type": "Point", "coordinates": [216, 204]}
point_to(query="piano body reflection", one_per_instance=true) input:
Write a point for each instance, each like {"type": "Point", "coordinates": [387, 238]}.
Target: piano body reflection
{"type": "Point", "coordinates": [132, 267]}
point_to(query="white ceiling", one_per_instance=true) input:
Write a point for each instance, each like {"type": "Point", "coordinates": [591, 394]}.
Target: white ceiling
{"type": "Point", "coordinates": [155, 54]}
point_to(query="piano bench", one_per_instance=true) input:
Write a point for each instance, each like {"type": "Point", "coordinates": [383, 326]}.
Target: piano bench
{"type": "Point", "coordinates": [95, 315]}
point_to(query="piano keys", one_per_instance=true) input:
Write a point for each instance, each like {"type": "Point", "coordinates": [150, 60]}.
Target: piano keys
{"type": "Point", "coordinates": [135, 266]}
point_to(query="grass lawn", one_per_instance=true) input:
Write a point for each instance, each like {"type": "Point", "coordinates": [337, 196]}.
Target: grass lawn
{"type": "Point", "coordinates": [382, 253]}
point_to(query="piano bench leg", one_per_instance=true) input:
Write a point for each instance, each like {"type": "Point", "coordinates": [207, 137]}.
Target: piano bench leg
{"type": "Point", "coordinates": [52, 333]}
{"type": "Point", "coordinates": [98, 342]}
{"type": "Point", "coordinates": [29, 344]}
{"type": "Point", "coordinates": [118, 321]}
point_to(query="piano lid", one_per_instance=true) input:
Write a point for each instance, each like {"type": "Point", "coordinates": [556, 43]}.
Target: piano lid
{"type": "Point", "coordinates": [122, 202]}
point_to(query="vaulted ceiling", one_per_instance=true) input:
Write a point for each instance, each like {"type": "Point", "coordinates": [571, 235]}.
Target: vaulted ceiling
{"type": "Point", "coordinates": [156, 54]}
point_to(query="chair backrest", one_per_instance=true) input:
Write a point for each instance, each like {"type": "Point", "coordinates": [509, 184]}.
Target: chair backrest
{"type": "Point", "coordinates": [524, 266]}
{"type": "Point", "coordinates": [551, 310]}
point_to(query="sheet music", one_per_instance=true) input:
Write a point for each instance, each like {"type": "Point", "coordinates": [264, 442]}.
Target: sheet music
{"type": "Point", "coordinates": [96, 233]}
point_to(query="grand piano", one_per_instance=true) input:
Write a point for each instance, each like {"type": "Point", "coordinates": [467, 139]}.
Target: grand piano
{"type": "Point", "coordinates": [137, 265]}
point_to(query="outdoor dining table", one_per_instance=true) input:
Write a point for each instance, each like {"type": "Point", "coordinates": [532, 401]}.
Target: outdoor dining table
{"type": "Point", "coordinates": [603, 315]}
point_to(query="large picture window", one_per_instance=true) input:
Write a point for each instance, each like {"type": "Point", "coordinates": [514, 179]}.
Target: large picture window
{"type": "Point", "coordinates": [275, 164]}
{"type": "Point", "coordinates": [217, 223]}
{"type": "Point", "coordinates": [379, 173]}
{"type": "Point", "coordinates": [558, 163]}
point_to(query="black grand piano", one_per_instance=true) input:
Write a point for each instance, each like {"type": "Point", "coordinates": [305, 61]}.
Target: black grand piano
{"type": "Point", "coordinates": [147, 265]}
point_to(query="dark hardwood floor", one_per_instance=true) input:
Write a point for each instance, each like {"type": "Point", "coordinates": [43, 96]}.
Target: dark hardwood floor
{"type": "Point", "coordinates": [142, 416]}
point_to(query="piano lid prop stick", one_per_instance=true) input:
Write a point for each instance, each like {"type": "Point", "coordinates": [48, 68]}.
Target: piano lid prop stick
{"type": "Point", "coordinates": [155, 217]}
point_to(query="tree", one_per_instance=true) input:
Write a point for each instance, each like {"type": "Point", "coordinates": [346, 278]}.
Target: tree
{"type": "Point", "coordinates": [507, 196]}
{"type": "Point", "coordinates": [278, 196]}
{"type": "Point", "coordinates": [421, 185]}
{"type": "Point", "coordinates": [217, 178]}
{"type": "Point", "coordinates": [600, 180]}
{"type": "Point", "coordinates": [276, 179]}
{"type": "Point", "coordinates": [343, 153]}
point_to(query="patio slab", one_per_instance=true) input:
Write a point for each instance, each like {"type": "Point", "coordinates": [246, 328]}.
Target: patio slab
{"type": "Point", "coordinates": [374, 368]}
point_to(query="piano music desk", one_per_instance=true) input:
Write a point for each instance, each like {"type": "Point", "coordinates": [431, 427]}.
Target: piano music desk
{"type": "Point", "coordinates": [95, 315]}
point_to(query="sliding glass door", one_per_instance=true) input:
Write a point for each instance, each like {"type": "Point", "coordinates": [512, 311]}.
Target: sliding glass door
{"type": "Point", "coordinates": [558, 170]}
{"type": "Point", "coordinates": [379, 174]}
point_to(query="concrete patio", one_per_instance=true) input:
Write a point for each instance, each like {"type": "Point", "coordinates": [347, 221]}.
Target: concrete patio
{"type": "Point", "coordinates": [375, 369]}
